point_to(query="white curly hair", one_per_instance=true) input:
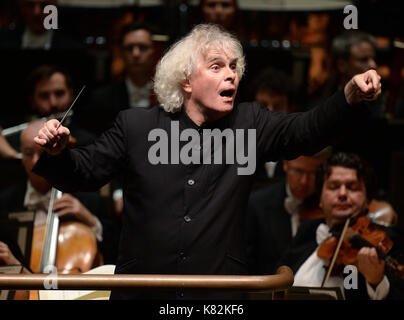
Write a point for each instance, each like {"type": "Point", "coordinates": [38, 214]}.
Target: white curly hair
{"type": "Point", "coordinates": [181, 60]}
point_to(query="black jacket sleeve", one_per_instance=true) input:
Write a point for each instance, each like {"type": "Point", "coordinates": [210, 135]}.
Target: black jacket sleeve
{"type": "Point", "coordinates": [87, 168]}
{"type": "Point", "coordinates": [288, 135]}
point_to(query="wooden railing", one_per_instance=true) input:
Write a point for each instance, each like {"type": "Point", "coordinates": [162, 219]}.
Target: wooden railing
{"type": "Point", "coordinates": [278, 282]}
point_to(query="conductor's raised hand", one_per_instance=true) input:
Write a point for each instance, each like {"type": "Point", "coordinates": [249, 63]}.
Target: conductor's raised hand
{"type": "Point", "coordinates": [363, 87]}
{"type": "Point", "coordinates": [52, 139]}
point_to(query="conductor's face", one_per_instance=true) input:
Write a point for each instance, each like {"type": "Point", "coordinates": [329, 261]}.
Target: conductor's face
{"type": "Point", "coordinates": [212, 87]}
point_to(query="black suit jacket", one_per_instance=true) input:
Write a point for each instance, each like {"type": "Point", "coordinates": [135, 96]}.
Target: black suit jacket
{"type": "Point", "coordinates": [269, 230]}
{"type": "Point", "coordinates": [188, 219]}
{"type": "Point", "coordinates": [304, 244]}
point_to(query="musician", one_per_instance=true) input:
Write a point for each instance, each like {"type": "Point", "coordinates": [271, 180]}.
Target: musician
{"type": "Point", "coordinates": [6, 150]}
{"type": "Point", "coordinates": [352, 52]}
{"type": "Point", "coordinates": [189, 218]}
{"type": "Point", "coordinates": [345, 186]}
{"type": "Point", "coordinates": [135, 90]}
{"type": "Point", "coordinates": [50, 91]}
{"type": "Point", "coordinates": [274, 212]}
{"type": "Point", "coordinates": [10, 252]}
{"type": "Point", "coordinates": [33, 34]}
{"type": "Point", "coordinates": [35, 194]}
{"type": "Point", "coordinates": [273, 89]}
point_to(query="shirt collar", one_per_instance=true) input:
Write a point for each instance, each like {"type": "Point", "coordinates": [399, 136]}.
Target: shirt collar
{"type": "Point", "coordinates": [291, 203]}
{"type": "Point", "coordinates": [31, 40]}
{"type": "Point", "coordinates": [322, 233]}
{"type": "Point", "coordinates": [138, 96]}
{"type": "Point", "coordinates": [35, 200]}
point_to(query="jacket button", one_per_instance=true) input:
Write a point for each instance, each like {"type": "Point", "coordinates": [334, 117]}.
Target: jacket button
{"type": "Point", "coordinates": [187, 218]}
{"type": "Point", "coordinates": [191, 182]}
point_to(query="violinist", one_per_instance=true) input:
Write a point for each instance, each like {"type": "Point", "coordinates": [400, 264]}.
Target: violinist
{"type": "Point", "coordinates": [275, 212]}
{"type": "Point", "coordinates": [345, 185]}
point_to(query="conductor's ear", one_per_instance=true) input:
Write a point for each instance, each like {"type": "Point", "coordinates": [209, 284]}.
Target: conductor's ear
{"type": "Point", "coordinates": [186, 86]}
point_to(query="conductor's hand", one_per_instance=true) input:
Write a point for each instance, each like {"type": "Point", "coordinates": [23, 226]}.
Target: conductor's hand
{"type": "Point", "coordinates": [51, 140]}
{"type": "Point", "coordinates": [363, 87]}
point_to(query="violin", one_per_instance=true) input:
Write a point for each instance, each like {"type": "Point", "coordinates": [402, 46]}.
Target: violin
{"type": "Point", "coordinates": [358, 233]}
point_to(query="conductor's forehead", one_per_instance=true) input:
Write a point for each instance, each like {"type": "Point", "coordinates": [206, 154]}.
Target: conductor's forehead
{"type": "Point", "coordinates": [217, 52]}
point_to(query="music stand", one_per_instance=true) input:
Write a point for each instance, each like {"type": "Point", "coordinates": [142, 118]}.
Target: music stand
{"type": "Point", "coordinates": [20, 226]}
{"type": "Point", "coordinates": [314, 293]}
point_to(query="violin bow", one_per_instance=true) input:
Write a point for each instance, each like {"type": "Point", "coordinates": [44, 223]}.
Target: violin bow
{"type": "Point", "coordinates": [334, 258]}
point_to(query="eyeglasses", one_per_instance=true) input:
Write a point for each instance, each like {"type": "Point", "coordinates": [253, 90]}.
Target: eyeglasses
{"type": "Point", "coordinates": [300, 173]}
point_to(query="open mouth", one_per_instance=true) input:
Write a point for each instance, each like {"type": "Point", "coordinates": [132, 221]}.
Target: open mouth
{"type": "Point", "coordinates": [227, 93]}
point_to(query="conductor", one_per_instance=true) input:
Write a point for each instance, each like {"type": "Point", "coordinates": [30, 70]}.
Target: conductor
{"type": "Point", "coordinates": [184, 205]}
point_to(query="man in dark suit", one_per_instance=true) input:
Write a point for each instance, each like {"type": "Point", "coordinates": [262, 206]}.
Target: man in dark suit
{"type": "Point", "coordinates": [345, 185]}
{"type": "Point", "coordinates": [135, 90]}
{"type": "Point", "coordinates": [188, 216]}
{"type": "Point", "coordinates": [273, 212]}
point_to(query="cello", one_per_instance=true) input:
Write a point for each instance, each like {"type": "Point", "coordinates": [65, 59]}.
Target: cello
{"type": "Point", "coordinates": [65, 247]}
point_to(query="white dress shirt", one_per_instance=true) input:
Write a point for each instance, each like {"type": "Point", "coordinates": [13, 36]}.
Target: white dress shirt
{"type": "Point", "coordinates": [32, 40]}
{"type": "Point", "coordinates": [138, 96]}
{"type": "Point", "coordinates": [292, 206]}
{"type": "Point", "coordinates": [39, 203]}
